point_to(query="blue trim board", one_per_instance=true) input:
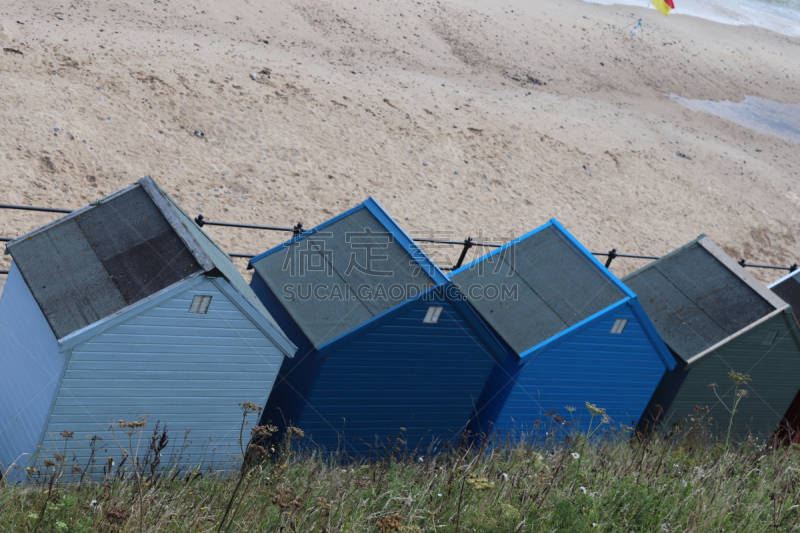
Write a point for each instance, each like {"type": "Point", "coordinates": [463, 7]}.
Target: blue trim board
{"type": "Point", "coordinates": [530, 354]}
{"type": "Point", "coordinates": [370, 324]}
{"type": "Point", "coordinates": [281, 317]}
{"type": "Point", "coordinates": [497, 346]}
{"type": "Point", "coordinates": [431, 296]}
{"type": "Point", "coordinates": [402, 238]}
{"type": "Point", "coordinates": [593, 259]}
{"type": "Point", "coordinates": [652, 333]}
{"type": "Point", "coordinates": [502, 249]}
{"type": "Point", "coordinates": [259, 320]}
{"type": "Point", "coordinates": [303, 235]}
{"type": "Point", "coordinates": [405, 241]}
{"type": "Point", "coordinates": [82, 335]}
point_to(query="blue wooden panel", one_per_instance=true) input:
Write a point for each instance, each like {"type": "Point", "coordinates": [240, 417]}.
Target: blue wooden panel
{"type": "Point", "coordinates": [31, 366]}
{"type": "Point", "coordinates": [189, 372]}
{"type": "Point", "coordinates": [403, 379]}
{"type": "Point", "coordinates": [617, 372]}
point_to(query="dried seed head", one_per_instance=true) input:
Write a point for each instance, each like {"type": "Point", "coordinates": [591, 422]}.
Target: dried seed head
{"type": "Point", "coordinates": [49, 463]}
{"type": "Point", "coordinates": [260, 432]}
{"type": "Point", "coordinates": [292, 432]}
{"type": "Point", "coordinates": [738, 378]}
{"type": "Point", "coordinates": [594, 410]}
{"type": "Point", "coordinates": [250, 407]}
{"type": "Point", "coordinates": [67, 434]}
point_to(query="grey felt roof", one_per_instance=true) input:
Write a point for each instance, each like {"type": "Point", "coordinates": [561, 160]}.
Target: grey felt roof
{"type": "Point", "coordinates": [556, 286]}
{"type": "Point", "coordinates": [788, 289]}
{"type": "Point", "coordinates": [332, 259]}
{"type": "Point", "coordinates": [113, 253]}
{"type": "Point", "coordinates": [697, 296]}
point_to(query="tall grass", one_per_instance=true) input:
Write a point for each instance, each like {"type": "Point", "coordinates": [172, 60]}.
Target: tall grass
{"type": "Point", "coordinates": [686, 480]}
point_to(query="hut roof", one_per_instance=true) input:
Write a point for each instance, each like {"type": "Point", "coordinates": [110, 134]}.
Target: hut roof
{"type": "Point", "coordinates": [788, 288]}
{"type": "Point", "coordinates": [115, 252]}
{"type": "Point", "coordinates": [538, 286]}
{"type": "Point", "coordinates": [346, 271]}
{"type": "Point", "coordinates": [698, 297]}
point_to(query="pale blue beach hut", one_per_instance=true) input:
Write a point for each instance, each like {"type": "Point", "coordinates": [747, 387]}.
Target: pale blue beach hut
{"type": "Point", "coordinates": [122, 309]}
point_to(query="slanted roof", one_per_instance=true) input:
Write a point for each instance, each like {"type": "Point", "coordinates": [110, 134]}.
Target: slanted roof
{"type": "Point", "coordinates": [551, 284]}
{"type": "Point", "coordinates": [697, 297]}
{"type": "Point", "coordinates": [115, 252]}
{"type": "Point", "coordinates": [788, 288]}
{"type": "Point", "coordinates": [345, 272]}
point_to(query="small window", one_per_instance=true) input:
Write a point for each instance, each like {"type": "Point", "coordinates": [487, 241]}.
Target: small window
{"type": "Point", "coordinates": [770, 338]}
{"type": "Point", "coordinates": [200, 304]}
{"type": "Point", "coordinates": [619, 325]}
{"type": "Point", "coordinates": [433, 314]}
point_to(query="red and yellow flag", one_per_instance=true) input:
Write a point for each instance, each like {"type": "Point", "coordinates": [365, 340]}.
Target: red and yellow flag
{"type": "Point", "coordinates": [664, 6]}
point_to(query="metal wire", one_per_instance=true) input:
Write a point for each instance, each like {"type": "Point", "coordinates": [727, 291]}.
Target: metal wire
{"type": "Point", "coordinates": [298, 229]}
{"type": "Point", "coordinates": [29, 208]}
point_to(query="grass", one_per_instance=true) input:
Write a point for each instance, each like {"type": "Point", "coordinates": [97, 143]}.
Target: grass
{"type": "Point", "coordinates": [687, 480]}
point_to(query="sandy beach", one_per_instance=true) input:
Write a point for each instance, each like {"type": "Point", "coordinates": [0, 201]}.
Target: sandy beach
{"type": "Point", "coordinates": [462, 118]}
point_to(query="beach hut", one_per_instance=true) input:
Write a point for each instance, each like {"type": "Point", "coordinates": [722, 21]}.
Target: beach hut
{"type": "Point", "coordinates": [717, 318]}
{"type": "Point", "coordinates": [122, 309]}
{"type": "Point", "coordinates": [387, 349]}
{"type": "Point", "coordinates": [788, 288]}
{"type": "Point", "coordinates": [574, 332]}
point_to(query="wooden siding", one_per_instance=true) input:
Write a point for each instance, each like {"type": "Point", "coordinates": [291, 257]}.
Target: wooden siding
{"type": "Point", "coordinates": [775, 373]}
{"type": "Point", "coordinates": [402, 378]}
{"type": "Point", "coordinates": [616, 372]}
{"type": "Point", "coordinates": [188, 371]}
{"type": "Point", "coordinates": [31, 366]}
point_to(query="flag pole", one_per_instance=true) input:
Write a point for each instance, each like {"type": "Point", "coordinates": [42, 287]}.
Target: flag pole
{"type": "Point", "coordinates": [639, 24]}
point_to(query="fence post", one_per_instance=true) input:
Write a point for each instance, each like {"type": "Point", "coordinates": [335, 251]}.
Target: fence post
{"type": "Point", "coordinates": [611, 256]}
{"type": "Point", "coordinates": [467, 245]}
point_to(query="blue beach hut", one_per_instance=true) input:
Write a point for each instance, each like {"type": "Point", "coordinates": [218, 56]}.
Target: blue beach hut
{"type": "Point", "coordinates": [121, 309]}
{"type": "Point", "coordinates": [717, 318]}
{"type": "Point", "coordinates": [574, 332]}
{"type": "Point", "coordinates": [387, 349]}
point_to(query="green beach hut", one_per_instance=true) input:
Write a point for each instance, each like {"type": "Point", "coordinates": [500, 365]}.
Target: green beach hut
{"type": "Point", "coordinates": [717, 319]}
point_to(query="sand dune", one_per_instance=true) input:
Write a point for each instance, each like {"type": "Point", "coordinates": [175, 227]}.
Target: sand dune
{"type": "Point", "coordinates": [461, 117]}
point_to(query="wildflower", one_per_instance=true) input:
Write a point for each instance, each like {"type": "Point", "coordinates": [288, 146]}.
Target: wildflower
{"type": "Point", "coordinates": [479, 483]}
{"type": "Point", "coordinates": [583, 490]}
{"type": "Point", "coordinates": [250, 407]}
{"type": "Point", "coordinates": [261, 432]}
{"type": "Point", "coordinates": [576, 455]}
{"type": "Point", "coordinates": [439, 494]}
{"type": "Point", "coordinates": [738, 378]}
{"type": "Point", "coordinates": [344, 470]}
{"type": "Point", "coordinates": [291, 431]}
{"type": "Point", "coordinates": [570, 408]}
{"type": "Point", "coordinates": [93, 503]}
{"type": "Point", "coordinates": [713, 385]}
{"type": "Point", "coordinates": [421, 460]}
{"type": "Point", "coordinates": [743, 393]}
{"type": "Point", "coordinates": [594, 410]}
{"type": "Point", "coordinates": [132, 425]}
{"type": "Point", "coordinates": [504, 476]}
